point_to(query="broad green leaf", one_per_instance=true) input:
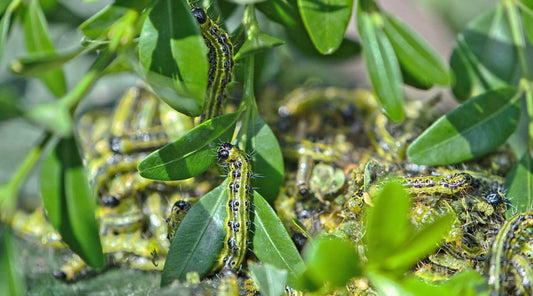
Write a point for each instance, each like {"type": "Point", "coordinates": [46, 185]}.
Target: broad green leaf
{"type": "Point", "coordinates": [258, 43]}
{"type": "Point", "coordinates": [388, 224]}
{"type": "Point", "coordinates": [199, 238]}
{"type": "Point", "coordinates": [39, 64]}
{"type": "Point", "coordinates": [519, 184]}
{"type": "Point", "coordinates": [467, 283]}
{"type": "Point", "coordinates": [420, 244]}
{"type": "Point", "coordinates": [484, 57]}
{"type": "Point", "coordinates": [382, 65]}
{"type": "Point", "coordinates": [271, 280]}
{"type": "Point", "coordinates": [99, 24]}
{"type": "Point", "coordinates": [271, 243]}
{"type": "Point", "coordinates": [38, 41]}
{"type": "Point", "coordinates": [331, 262]}
{"type": "Point", "coordinates": [267, 160]}
{"type": "Point", "coordinates": [53, 116]}
{"type": "Point", "coordinates": [191, 154]}
{"type": "Point", "coordinates": [474, 128]}
{"type": "Point", "coordinates": [11, 277]}
{"type": "Point", "coordinates": [284, 12]}
{"type": "Point", "coordinates": [326, 22]}
{"type": "Point", "coordinates": [416, 57]}
{"type": "Point", "coordinates": [174, 56]}
{"type": "Point", "coordinates": [69, 202]}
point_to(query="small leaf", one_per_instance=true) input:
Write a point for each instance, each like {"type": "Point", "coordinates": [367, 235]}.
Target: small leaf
{"type": "Point", "coordinates": [415, 56]}
{"type": "Point", "coordinates": [474, 128]}
{"type": "Point", "coordinates": [326, 22]}
{"type": "Point", "coordinates": [284, 12]}
{"type": "Point", "coordinates": [527, 20]}
{"type": "Point", "coordinates": [271, 280]}
{"type": "Point", "coordinates": [11, 277]}
{"type": "Point", "coordinates": [485, 56]}
{"type": "Point", "coordinates": [69, 203]}
{"type": "Point", "coordinates": [174, 56]}
{"type": "Point", "coordinates": [191, 154]}
{"type": "Point", "coordinates": [5, 22]}
{"type": "Point", "coordinates": [415, 286]}
{"type": "Point", "coordinates": [331, 262]}
{"type": "Point", "coordinates": [38, 41]}
{"type": "Point", "coordinates": [271, 242]}
{"type": "Point", "coordinates": [467, 283]}
{"type": "Point", "coordinates": [420, 244]}
{"type": "Point", "coordinates": [53, 116]}
{"type": "Point", "coordinates": [258, 43]}
{"type": "Point", "coordinates": [38, 64]}
{"type": "Point", "coordinates": [519, 184]}
{"type": "Point", "coordinates": [199, 238]}
{"type": "Point", "coordinates": [388, 224]}
{"type": "Point", "coordinates": [382, 65]}
{"type": "Point", "coordinates": [267, 160]}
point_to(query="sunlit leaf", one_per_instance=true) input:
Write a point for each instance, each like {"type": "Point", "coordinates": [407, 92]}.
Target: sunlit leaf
{"type": "Point", "coordinates": [174, 56]}
{"type": "Point", "coordinates": [258, 43]}
{"type": "Point", "coordinates": [267, 160]}
{"type": "Point", "coordinates": [271, 280]}
{"type": "Point", "coordinates": [199, 238]}
{"type": "Point", "coordinates": [38, 41]}
{"type": "Point", "coordinates": [191, 154]}
{"type": "Point", "coordinates": [69, 203]}
{"type": "Point", "coordinates": [326, 22]}
{"type": "Point", "coordinates": [382, 65]}
{"type": "Point", "coordinates": [271, 242]}
{"type": "Point", "coordinates": [474, 128]}
{"type": "Point", "coordinates": [519, 184]}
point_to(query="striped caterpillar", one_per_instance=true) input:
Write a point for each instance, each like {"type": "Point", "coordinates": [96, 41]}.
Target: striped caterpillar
{"type": "Point", "coordinates": [238, 208]}
{"type": "Point", "coordinates": [220, 64]}
{"type": "Point", "coordinates": [438, 184]}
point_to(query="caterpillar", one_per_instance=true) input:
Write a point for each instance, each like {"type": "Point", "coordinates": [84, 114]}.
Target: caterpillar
{"type": "Point", "coordinates": [510, 270]}
{"type": "Point", "coordinates": [220, 64]}
{"type": "Point", "coordinates": [456, 183]}
{"type": "Point", "coordinates": [238, 208]}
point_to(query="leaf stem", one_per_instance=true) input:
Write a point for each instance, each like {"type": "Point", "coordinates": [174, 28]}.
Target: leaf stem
{"type": "Point", "coordinates": [9, 191]}
{"type": "Point", "coordinates": [72, 99]}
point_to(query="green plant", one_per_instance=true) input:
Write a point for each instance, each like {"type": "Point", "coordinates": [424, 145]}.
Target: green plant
{"type": "Point", "coordinates": [161, 42]}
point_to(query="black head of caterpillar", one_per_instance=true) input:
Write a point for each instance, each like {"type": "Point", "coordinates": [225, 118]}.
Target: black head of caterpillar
{"type": "Point", "coordinates": [220, 63]}
{"type": "Point", "coordinates": [238, 208]}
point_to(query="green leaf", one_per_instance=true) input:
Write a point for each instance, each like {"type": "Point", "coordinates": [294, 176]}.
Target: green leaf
{"type": "Point", "coordinates": [38, 64]}
{"type": "Point", "coordinates": [382, 65]}
{"type": "Point", "coordinates": [11, 277]}
{"type": "Point", "coordinates": [267, 160]}
{"type": "Point", "coordinates": [191, 154]}
{"type": "Point", "coordinates": [474, 128]}
{"type": "Point", "coordinates": [415, 286]}
{"type": "Point", "coordinates": [420, 244]}
{"type": "Point", "coordinates": [199, 238]}
{"type": "Point", "coordinates": [244, 2]}
{"type": "Point", "coordinates": [484, 57]}
{"type": "Point", "coordinates": [284, 12]}
{"type": "Point", "coordinates": [519, 184]}
{"type": "Point", "coordinates": [69, 202]}
{"type": "Point", "coordinates": [386, 286]}
{"type": "Point", "coordinates": [467, 283]}
{"type": "Point", "coordinates": [331, 262]}
{"type": "Point", "coordinates": [527, 20]}
{"type": "Point", "coordinates": [258, 43]}
{"type": "Point", "coordinates": [416, 57]}
{"type": "Point", "coordinates": [326, 22]}
{"type": "Point", "coordinates": [5, 22]}
{"type": "Point", "coordinates": [388, 224]}
{"type": "Point", "coordinates": [174, 56]}
{"type": "Point", "coordinates": [38, 41]}
{"type": "Point", "coordinates": [271, 280]}
{"type": "Point", "coordinates": [271, 243]}
{"type": "Point", "coordinates": [54, 117]}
